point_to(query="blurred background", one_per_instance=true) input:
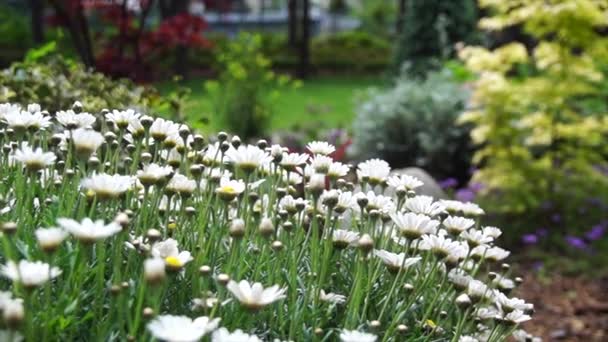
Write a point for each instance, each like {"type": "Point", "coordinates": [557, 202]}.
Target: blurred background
{"type": "Point", "coordinates": [499, 102]}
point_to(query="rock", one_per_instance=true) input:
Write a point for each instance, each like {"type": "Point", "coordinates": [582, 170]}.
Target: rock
{"type": "Point", "coordinates": [558, 334]}
{"type": "Point", "coordinates": [430, 187]}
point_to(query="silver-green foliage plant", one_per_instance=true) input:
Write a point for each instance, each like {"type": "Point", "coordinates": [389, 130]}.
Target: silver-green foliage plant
{"type": "Point", "coordinates": [118, 226]}
{"type": "Point", "coordinates": [414, 123]}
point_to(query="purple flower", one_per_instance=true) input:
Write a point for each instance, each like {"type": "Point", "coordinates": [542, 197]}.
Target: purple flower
{"type": "Point", "coordinates": [529, 239]}
{"type": "Point", "coordinates": [448, 183]}
{"type": "Point", "coordinates": [576, 242]}
{"type": "Point", "coordinates": [556, 218]}
{"type": "Point", "coordinates": [542, 232]}
{"type": "Point", "coordinates": [596, 232]}
{"type": "Point", "coordinates": [465, 195]}
{"type": "Point", "coordinates": [537, 265]}
{"type": "Point", "coordinates": [476, 187]}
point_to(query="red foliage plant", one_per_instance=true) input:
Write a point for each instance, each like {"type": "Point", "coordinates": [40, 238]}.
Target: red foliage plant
{"type": "Point", "coordinates": [126, 45]}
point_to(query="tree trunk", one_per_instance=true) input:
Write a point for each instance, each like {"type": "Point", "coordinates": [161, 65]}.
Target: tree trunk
{"type": "Point", "coordinates": [181, 52]}
{"type": "Point", "coordinates": [400, 17]}
{"type": "Point", "coordinates": [37, 7]}
{"type": "Point", "coordinates": [305, 41]}
{"type": "Point", "coordinates": [292, 23]}
{"type": "Point", "coordinates": [79, 31]}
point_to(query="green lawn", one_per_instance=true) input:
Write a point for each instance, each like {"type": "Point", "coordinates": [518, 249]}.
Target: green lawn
{"type": "Point", "coordinates": [328, 99]}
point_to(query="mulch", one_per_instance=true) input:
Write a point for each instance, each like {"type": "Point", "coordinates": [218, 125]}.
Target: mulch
{"type": "Point", "coordinates": [567, 308]}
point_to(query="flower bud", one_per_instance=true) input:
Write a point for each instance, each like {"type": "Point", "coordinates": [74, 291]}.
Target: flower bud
{"type": "Point", "coordinates": [13, 312]}
{"type": "Point", "coordinates": [266, 227]}
{"type": "Point", "coordinates": [366, 243]}
{"type": "Point", "coordinates": [223, 278]}
{"type": "Point", "coordinates": [463, 301]}
{"type": "Point", "coordinates": [154, 270]}
{"type": "Point", "coordinates": [237, 228]}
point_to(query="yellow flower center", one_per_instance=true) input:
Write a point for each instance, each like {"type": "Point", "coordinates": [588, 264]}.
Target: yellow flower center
{"type": "Point", "coordinates": [431, 324]}
{"type": "Point", "coordinates": [171, 226]}
{"type": "Point", "coordinates": [173, 262]}
{"type": "Point", "coordinates": [227, 189]}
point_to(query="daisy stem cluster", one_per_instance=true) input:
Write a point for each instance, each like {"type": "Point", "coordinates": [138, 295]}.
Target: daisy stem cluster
{"type": "Point", "coordinates": [117, 225]}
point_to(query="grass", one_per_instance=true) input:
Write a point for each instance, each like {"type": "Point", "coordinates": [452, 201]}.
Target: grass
{"type": "Point", "coordinates": [327, 99]}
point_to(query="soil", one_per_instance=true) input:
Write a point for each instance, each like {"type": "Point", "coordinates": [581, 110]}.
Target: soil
{"type": "Point", "coordinates": [566, 308]}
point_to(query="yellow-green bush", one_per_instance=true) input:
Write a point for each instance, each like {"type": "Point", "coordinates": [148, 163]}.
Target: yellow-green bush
{"type": "Point", "coordinates": [537, 141]}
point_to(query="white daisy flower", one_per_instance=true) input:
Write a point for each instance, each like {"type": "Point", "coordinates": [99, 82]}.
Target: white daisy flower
{"type": "Point", "coordinates": [161, 129]}
{"type": "Point", "coordinates": [337, 170]}
{"type": "Point", "coordinates": [50, 238]}
{"type": "Point", "coordinates": [424, 205]}
{"type": "Point", "coordinates": [516, 317]}
{"type": "Point", "coordinates": [413, 226]}
{"type": "Point", "coordinates": [332, 297]}
{"type": "Point", "coordinates": [70, 120]}
{"type": "Point", "coordinates": [405, 182]}
{"type": "Point", "coordinates": [495, 253]}
{"type": "Point", "coordinates": [181, 184]}
{"type": "Point", "coordinates": [379, 202]}
{"type": "Point", "coordinates": [123, 118]}
{"type": "Point", "coordinates": [86, 141]}
{"type": "Point", "coordinates": [106, 186]}
{"type": "Point", "coordinates": [471, 209]}
{"type": "Point", "coordinates": [89, 231]}
{"type": "Point", "coordinates": [452, 206]}
{"type": "Point", "coordinates": [34, 159]}
{"type": "Point", "coordinates": [213, 155]}
{"type": "Point", "coordinates": [22, 120]}
{"type": "Point", "coordinates": [511, 304]}
{"type": "Point", "coordinates": [356, 336]}
{"type": "Point", "coordinates": [168, 251]}
{"type": "Point", "coordinates": [320, 147]}
{"type": "Point", "coordinates": [457, 224]}
{"type": "Point", "coordinates": [223, 335]}
{"type": "Point", "coordinates": [321, 163]}
{"type": "Point", "coordinates": [136, 128]}
{"type": "Point", "coordinates": [29, 274]}
{"type": "Point", "coordinates": [343, 238]}
{"type": "Point", "coordinates": [346, 201]}
{"type": "Point", "coordinates": [492, 232]}
{"type": "Point", "coordinates": [291, 161]}
{"type": "Point", "coordinates": [230, 189]}
{"type": "Point", "coordinates": [459, 278]}
{"type": "Point", "coordinates": [475, 237]}
{"type": "Point", "coordinates": [6, 108]}
{"type": "Point", "coordinates": [248, 158]}
{"type": "Point", "coordinates": [439, 245]}
{"type": "Point", "coordinates": [478, 290]}
{"type": "Point", "coordinates": [487, 313]}
{"type": "Point", "coordinates": [292, 205]}
{"type": "Point", "coordinates": [255, 296]}
{"type": "Point", "coordinates": [394, 262]}
{"type": "Point", "coordinates": [153, 174]}
{"type": "Point", "coordinates": [374, 171]}
{"type": "Point", "coordinates": [181, 328]}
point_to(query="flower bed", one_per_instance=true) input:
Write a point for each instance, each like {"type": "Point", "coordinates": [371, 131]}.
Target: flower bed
{"type": "Point", "coordinates": [123, 226]}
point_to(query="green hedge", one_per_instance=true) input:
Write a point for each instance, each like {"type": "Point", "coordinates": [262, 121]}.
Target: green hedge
{"type": "Point", "coordinates": [343, 51]}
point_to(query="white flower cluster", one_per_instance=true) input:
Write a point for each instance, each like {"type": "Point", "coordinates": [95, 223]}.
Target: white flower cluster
{"type": "Point", "coordinates": [144, 224]}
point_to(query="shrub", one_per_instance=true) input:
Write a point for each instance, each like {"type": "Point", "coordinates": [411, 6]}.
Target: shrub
{"type": "Point", "coordinates": [246, 88]}
{"type": "Point", "coordinates": [55, 82]}
{"type": "Point", "coordinates": [167, 228]}
{"type": "Point", "coordinates": [351, 50]}
{"type": "Point", "coordinates": [431, 29]}
{"type": "Point", "coordinates": [414, 123]}
{"type": "Point", "coordinates": [542, 145]}
{"type": "Point", "coordinates": [14, 35]}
